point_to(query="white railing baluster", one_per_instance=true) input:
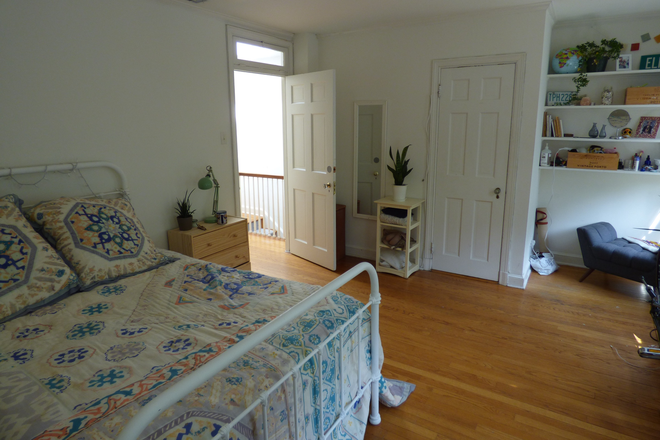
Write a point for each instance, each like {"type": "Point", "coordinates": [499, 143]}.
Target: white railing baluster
{"type": "Point", "coordinates": [262, 203]}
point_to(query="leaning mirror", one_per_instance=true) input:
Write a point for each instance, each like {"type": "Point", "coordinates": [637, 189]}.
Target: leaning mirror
{"type": "Point", "coordinates": [618, 119]}
{"type": "Point", "coordinates": [370, 121]}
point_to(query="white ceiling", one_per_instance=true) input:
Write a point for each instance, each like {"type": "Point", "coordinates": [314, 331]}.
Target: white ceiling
{"type": "Point", "coordinates": [332, 16]}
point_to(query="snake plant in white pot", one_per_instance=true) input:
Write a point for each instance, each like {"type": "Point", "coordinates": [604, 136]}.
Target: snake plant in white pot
{"type": "Point", "coordinates": [399, 172]}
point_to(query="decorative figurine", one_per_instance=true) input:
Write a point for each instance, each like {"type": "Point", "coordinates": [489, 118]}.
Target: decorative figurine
{"type": "Point", "coordinates": [602, 133]}
{"type": "Point", "coordinates": [606, 96]}
{"type": "Point", "coordinates": [594, 131]}
{"type": "Point", "coordinates": [585, 101]}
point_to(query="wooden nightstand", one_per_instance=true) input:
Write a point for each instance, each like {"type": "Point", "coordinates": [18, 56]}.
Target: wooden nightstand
{"type": "Point", "coordinates": [222, 244]}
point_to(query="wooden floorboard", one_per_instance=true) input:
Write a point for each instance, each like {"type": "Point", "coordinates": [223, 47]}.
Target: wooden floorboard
{"type": "Point", "coordinates": [493, 362]}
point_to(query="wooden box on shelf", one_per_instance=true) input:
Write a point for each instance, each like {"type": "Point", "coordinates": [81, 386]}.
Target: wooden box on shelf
{"type": "Point", "coordinates": [642, 95]}
{"type": "Point", "coordinates": [592, 161]}
{"type": "Point", "coordinates": [222, 244]}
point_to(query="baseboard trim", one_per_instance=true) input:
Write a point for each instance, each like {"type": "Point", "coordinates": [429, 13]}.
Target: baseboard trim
{"type": "Point", "coordinates": [366, 254]}
{"type": "Point", "coordinates": [569, 260]}
{"type": "Point", "coordinates": [519, 282]}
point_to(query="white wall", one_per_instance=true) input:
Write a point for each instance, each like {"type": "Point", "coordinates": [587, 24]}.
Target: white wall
{"type": "Point", "coordinates": [141, 84]}
{"type": "Point", "coordinates": [395, 65]}
{"type": "Point", "coordinates": [575, 198]}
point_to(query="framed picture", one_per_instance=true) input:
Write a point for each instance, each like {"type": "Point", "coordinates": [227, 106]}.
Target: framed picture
{"type": "Point", "coordinates": [648, 127]}
{"type": "Point", "coordinates": [624, 62]}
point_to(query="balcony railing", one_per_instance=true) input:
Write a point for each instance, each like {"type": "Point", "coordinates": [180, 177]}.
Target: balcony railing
{"type": "Point", "coordinates": [262, 203]}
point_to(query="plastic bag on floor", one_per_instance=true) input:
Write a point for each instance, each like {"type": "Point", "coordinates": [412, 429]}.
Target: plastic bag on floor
{"type": "Point", "coordinates": [544, 263]}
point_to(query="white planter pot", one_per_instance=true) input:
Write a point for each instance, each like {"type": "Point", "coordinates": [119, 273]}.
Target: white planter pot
{"type": "Point", "coordinates": [399, 193]}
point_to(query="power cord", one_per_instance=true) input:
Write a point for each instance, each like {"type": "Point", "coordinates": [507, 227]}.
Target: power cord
{"type": "Point", "coordinates": [632, 365]}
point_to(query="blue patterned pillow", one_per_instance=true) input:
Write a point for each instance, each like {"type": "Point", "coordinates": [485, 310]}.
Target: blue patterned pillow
{"type": "Point", "coordinates": [31, 272]}
{"type": "Point", "coordinates": [101, 239]}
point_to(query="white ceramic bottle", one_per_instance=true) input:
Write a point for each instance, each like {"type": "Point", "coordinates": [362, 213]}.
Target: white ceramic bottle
{"type": "Point", "coordinates": [546, 156]}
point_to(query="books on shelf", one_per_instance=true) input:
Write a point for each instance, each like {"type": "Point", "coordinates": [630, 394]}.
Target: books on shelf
{"type": "Point", "coordinates": [552, 126]}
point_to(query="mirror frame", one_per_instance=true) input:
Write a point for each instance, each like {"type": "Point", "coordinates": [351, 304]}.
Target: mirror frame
{"type": "Point", "coordinates": [356, 113]}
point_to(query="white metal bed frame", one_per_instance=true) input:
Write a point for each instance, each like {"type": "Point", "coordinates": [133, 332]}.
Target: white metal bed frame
{"type": "Point", "coordinates": [182, 387]}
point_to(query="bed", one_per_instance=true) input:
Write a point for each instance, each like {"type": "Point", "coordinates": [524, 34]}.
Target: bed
{"type": "Point", "coordinates": [104, 336]}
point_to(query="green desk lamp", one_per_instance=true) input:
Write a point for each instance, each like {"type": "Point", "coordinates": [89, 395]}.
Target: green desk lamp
{"type": "Point", "coordinates": [207, 182]}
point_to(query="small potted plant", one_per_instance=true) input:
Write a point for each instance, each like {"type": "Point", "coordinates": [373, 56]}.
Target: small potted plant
{"type": "Point", "coordinates": [399, 172]}
{"type": "Point", "coordinates": [184, 212]}
{"type": "Point", "coordinates": [593, 58]}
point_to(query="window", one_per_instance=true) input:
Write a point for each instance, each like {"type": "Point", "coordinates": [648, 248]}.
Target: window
{"type": "Point", "coordinates": [249, 52]}
{"type": "Point", "coordinates": [254, 52]}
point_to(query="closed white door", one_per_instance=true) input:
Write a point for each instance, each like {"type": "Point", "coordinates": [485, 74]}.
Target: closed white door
{"type": "Point", "coordinates": [474, 129]}
{"type": "Point", "coordinates": [310, 159]}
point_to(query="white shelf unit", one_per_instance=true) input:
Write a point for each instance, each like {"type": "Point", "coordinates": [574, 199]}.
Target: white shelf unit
{"type": "Point", "coordinates": [412, 230]}
{"type": "Point", "coordinates": [582, 170]}
{"type": "Point", "coordinates": [578, 120]}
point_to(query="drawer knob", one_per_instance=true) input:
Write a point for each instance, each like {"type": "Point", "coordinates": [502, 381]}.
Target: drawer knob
{"type": "Point", "coordinates": [209, 244]}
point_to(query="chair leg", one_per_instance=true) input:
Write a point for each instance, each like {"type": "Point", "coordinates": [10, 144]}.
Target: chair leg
{"type": "Point", "coordinates": [589, 272]}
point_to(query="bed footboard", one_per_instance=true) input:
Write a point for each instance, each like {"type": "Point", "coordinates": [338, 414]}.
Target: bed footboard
{"type": "Point", "coordinates": [169, 397]}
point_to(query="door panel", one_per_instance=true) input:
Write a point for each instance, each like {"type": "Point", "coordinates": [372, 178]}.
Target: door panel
{"type": "Point", "coordinates": [310, 151]}
{"type": "Point", "coordinates": [472, 153]}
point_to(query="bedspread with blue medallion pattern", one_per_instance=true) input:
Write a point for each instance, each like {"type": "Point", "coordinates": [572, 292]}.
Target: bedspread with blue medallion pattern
{"type": "Point", "coordinates": [82, 367]}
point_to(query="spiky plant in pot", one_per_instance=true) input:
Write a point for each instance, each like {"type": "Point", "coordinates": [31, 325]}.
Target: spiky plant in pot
{"type": "Point", "coordinates": [400, 172]}
{"type": "Point", "coordinates": [184, 212]}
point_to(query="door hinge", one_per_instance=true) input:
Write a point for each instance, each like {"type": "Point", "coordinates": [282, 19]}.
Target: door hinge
{"type": "Point", "coordinates": [431, 248]}
{"type": "Point", "coordinates": [439, 90]}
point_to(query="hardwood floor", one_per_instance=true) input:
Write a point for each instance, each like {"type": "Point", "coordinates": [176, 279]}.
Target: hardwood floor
{"type": "Point", "coordinates": [493, 362]}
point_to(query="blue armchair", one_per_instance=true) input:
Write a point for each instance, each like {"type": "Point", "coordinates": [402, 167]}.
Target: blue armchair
{"type": "Point", "coordinates": [603, 250]}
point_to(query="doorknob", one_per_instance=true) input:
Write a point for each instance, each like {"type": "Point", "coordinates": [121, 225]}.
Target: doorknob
{"type": "Point", "coordinates": [497, 192]}
{"type": "Point", "coordinates": [376, 173]}
{"type": "Point", "coordinates": [327, 185]}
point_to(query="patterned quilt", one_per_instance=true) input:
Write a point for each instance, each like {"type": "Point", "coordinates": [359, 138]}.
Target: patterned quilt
{"type": "Point", "coordinates": [82, 367]}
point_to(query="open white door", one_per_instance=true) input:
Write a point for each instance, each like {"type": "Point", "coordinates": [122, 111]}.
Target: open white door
{"type": "Point", "coordinates": [310, 166]}
{"type": "Point", "coordinates": [472, 158]}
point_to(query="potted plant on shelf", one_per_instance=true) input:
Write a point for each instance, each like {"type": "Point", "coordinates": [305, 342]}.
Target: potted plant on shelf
{"type": "Point", "coordinates": [399, 172]}
{"type": "Point", "coordinates": [593, 58]}
{"type": "Point", "coordinates": [184, 212]}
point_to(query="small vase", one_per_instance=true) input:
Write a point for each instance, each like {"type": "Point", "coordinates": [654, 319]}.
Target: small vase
{"type": "Point", "coordinates": [602, 133]}
{"type": "Point", "coordinates": [594, 131]}
{"type": "Point", "coordinates": [399, 193]}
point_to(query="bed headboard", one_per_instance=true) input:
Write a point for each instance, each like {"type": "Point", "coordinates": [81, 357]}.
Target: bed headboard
{"type": "Point", "coordinates": [35, 184]}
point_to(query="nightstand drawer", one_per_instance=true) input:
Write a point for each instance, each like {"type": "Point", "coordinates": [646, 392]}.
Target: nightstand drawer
{"type": "Point", "coordinates": [219, 240]}
{"type": "Point", "coordinates": [223, 244]}
{"type": "Point", "coordinates": [232, 257]}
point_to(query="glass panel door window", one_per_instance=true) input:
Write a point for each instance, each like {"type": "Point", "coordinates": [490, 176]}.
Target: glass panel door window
{"type": "Point", "coordinates": [259, 54]}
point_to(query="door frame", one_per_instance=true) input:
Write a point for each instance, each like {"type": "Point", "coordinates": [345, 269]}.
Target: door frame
{"type": "Point", "coordinates": [518, 59]}
{"type": "Point", "coordinates": [235, 34]}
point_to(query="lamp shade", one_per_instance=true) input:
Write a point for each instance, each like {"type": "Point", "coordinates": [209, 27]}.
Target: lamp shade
{"type": "Point", "coordinates": [205, 183]}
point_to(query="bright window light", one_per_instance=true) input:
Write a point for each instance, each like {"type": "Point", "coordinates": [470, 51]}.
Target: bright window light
{"type": "Point", "coordinates": [259, 128]}
{"type": "Point", "coordinates": [258, 54]}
